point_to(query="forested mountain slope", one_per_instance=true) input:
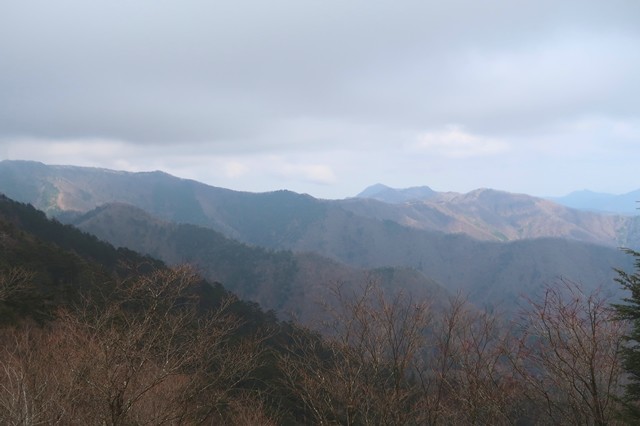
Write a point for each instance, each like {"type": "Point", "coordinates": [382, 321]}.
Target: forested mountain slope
{"type": "Point", "coordinates": [288, 282]}
{"type": "Point", "coordinates": [91, 334]}
{"type": "Point", "coordinates": [491, 273]}
{"type": "Point", "coordinates": [66, 262]}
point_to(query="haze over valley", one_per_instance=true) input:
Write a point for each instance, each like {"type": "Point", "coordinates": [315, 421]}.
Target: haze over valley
{"type": "Point", "coordinates": [492, 245]}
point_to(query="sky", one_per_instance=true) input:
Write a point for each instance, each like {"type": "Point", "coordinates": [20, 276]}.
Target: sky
{"type": "Point", "coordinates": [327, 97]}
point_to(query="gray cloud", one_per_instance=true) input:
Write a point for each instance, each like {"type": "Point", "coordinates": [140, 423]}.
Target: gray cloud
{"type": "Point", "coordinates": [247, 76]}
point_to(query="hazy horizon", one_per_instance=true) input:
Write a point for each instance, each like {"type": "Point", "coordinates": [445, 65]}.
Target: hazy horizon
{"type": "Point", "coordinates": [443, 190]}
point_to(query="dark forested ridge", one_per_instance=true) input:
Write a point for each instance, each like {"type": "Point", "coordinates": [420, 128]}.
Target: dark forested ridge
{"type": "Point", "coordinates": [65, 261]}
{"type": "Point", "coordinates": [59, 258]}
{"type": "Point", "coordinates": [85, 328]}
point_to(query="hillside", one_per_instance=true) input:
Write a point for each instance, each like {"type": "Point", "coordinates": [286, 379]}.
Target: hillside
{"type": "Point", "coordinates": [60, 261]}
{"type": "Point", "coordinates": [67, 262]}
{"type": "Point", "coordinates": [69, 191]}
{"type": "Point", "coordinates": [289, 283]}
{"type": "Point", "coordinates": [490, 272]}
{"type": "Point", "coordinates": [83, 324]}
{"type": "Point", "coordinates": [500, 216]}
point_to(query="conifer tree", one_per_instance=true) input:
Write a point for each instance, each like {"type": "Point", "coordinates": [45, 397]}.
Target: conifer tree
{"type": "Point", "coordinates": [630, 311]}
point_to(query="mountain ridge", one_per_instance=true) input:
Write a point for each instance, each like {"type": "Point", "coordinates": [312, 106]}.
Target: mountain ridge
{"type": "Point", "coordinates": [488, 267]}
{"type": "Point", "coordinates": [490, 214]}
{"type": "Point", "coordinates": [66, 191]}
{"type": "Point", "coordinates": [585, 199]}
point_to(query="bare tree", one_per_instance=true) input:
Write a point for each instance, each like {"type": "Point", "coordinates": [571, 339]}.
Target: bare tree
{"type": "Point", "coordinates": [391, 359]}
{"type": "Point", "coordinates": [463, 375]}
{"type": "Point", "coordinates": [31, 392]}
{"type": "Point", "coordinates": [358, 375]}
{"type": "Point", "coordinates": [15, 282]}
{"type": "Point", "coordinates": [568, 355]}
{"type": "Point", "coordinates": [144, 353]}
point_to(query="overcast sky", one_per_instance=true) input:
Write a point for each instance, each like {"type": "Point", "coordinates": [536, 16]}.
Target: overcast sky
{"type": "Point", "coordinates": [329, 96]}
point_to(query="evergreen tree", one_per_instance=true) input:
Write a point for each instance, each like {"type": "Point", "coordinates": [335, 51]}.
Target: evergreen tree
{"type": "Point", "coordinates": [630, 311]}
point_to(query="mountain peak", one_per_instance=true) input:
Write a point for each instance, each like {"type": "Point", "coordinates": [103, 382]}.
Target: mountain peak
{"type": "Point", "coordinates": [601, 202]}
{"type": "Point", "coordinates": [390, 195]}
{"type": "Point", "coordinates": [373, 190]}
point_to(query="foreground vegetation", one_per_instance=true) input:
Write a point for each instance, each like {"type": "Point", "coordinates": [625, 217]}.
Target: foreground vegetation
{"type": "Point", "coordinates": [92, 335]}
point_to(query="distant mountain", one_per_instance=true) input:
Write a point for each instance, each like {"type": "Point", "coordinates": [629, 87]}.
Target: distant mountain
{"type": "Point", "coordinates": [279, 219]}
{"type": "Point", "coordinates": [267, 219]}
{"type": "Point", "coordinates": [587, 200]}
{"type": "Point", "coordinates": [392, 195]}
{"type": "Point", "coordinates": [501, 216]}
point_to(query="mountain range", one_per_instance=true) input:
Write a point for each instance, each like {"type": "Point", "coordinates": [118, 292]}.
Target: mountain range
{"type": "Point", "coordinates": [494, 246]}
{"type": "Point", "coordinates": [626, 204]}
{"type": "Point", "coordinates": [88, 324]}
{"type": "Point", "coordinates": [66, 191]}
{"type": "Point", "coordinates": [496, 215]}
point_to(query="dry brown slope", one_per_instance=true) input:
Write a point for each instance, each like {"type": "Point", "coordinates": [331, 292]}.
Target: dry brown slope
{"type": "Point", "coordinates": [501, 216]}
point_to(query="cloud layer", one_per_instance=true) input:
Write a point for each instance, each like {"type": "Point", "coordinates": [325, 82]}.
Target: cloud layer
{"type": "Point", "coordinates": [329, 96]}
